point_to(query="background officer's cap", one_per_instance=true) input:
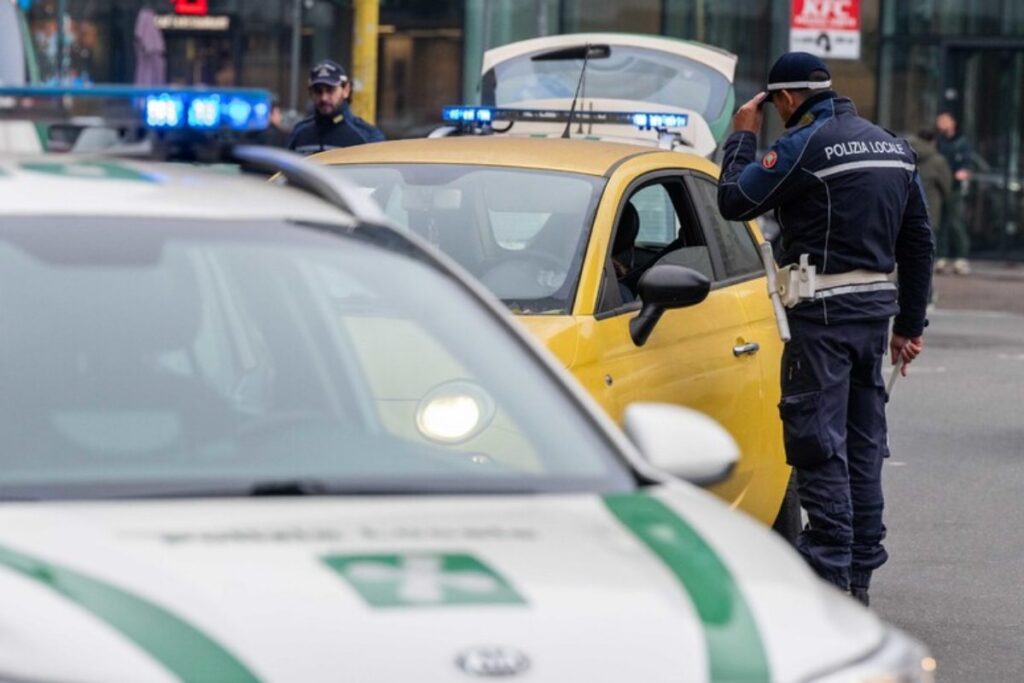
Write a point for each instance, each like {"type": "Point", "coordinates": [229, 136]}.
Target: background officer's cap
{"type": "Point", "coordinates": [327, 72]}
{"type": "Point", "coordinates": [792, 71]}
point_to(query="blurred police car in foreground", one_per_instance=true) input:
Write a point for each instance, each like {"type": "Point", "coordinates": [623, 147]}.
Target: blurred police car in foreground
{"type": "Point", "coordinates": [251, 432]}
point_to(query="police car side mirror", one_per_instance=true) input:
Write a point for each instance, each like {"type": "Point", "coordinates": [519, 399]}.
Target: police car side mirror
{"type": "Point", "coordinates": [662, 287]}
{"type": "Point", "coordinates": [681, 441]}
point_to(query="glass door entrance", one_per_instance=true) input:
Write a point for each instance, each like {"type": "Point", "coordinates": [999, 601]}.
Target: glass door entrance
{"type": "Point", "coordinates": [983, 91]}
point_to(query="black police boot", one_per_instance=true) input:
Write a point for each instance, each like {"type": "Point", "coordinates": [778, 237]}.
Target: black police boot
{"type": "Point", "coordinates": [859, 594]}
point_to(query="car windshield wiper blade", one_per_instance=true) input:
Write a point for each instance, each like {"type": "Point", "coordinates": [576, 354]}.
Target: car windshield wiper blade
{"type": "Point", "coordinates": [293, 487]}
{"type": "Point", "coordinates": [320, 487]}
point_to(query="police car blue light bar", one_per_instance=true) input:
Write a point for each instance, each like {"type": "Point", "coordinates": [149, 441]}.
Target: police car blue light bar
{"type": "Point", "coordinates": [463, 115]}
{"type": "Point", "coordinates": [201, 109]}
{"type": "Point", "coordinates": [467, 114]}
{"type": "Point", "coordinates": [660, 121]}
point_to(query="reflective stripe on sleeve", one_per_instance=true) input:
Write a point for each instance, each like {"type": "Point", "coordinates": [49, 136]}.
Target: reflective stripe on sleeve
{"type": "Point", "coordinates": [857, 165]}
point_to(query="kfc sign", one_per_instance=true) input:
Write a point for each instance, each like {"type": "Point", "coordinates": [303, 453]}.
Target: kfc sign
{"type": "Point", "coordinates": [827, 28]}
{"type": "Point", "coordinates": [191, 7]}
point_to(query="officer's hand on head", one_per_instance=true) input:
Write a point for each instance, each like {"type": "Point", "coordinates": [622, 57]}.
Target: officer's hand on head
{"type": "Point", "coordinates": [750, 116]}
{"type": "Point", "coordinates": [905, 348]}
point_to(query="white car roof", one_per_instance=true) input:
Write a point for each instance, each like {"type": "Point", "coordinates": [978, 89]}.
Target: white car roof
{"type": "Point", "coordinates": [718, 59]}
{"type": "Point", "coordinates": [62, 185]}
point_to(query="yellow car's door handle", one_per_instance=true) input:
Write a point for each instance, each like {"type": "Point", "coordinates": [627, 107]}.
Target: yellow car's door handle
{"type": "Point", "coordinates": [746, 349]}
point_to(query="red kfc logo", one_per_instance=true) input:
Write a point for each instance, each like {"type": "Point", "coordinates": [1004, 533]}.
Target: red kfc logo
{"type": "Point", "coordinates": [826, 15]}
{"type": "Point", "coordinates": [193, 7]}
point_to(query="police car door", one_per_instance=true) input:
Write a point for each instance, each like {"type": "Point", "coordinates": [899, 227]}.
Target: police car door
{"type": "Point", "coordinates": [690, 358]}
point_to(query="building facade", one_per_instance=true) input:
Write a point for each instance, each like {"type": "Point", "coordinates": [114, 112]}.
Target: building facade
{"type": "Point", "coordinates": [917, 58]}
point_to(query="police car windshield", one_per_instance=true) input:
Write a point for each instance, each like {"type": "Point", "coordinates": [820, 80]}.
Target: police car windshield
{"type": "Point", "coordinates": [521, 232]}
{"type": "Point", "coordinates": [627, 73]}
{"type": "Point", "coordinates": [141, 357]}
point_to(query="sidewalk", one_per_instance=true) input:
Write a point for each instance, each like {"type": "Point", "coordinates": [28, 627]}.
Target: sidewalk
{"type": "Point", "coordinates": [991, 286]}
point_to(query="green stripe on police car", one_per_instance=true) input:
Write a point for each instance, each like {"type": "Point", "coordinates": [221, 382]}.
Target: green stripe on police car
{"type": "Point", "coordinates": [183, 649]}
{"type": "Point", "coordinates": [734, 648]}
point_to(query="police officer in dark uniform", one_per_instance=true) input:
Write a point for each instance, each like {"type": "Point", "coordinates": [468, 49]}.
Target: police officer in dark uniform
{"type": "Point", "coordinates": [848, 198]}
{"type": "Point", "coordinates": [332, 124]}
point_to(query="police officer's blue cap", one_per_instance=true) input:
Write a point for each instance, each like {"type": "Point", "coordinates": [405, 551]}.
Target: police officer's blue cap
{"type": "Point", "coordinates": [327, 72]}
{"type": "Point", "coordinates": [792, 71]}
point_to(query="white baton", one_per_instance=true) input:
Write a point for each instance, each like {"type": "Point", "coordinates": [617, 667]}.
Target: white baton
{"type": "Point", "coordinates": [771, 272]}
{"type": "Point", "coordinates": [894, 375]}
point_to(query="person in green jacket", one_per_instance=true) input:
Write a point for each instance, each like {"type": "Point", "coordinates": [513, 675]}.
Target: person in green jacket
{"type": "Point", "coordinates": [952, 236]}
{"type": "Point", "coordinates": [935, 173]}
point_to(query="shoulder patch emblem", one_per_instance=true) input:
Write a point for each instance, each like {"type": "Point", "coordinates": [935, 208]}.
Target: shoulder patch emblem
{"type": "Point", "coordinates": [806, 119]}
{"type": "Point", "coordinates": [770, 160]}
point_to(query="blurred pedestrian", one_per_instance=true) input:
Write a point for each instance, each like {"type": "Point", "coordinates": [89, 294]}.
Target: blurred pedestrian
{"type": "Point", "coordinates": [332, 124]}
{"type": "Point", "coordinates": [277, 132]}
{"type": "Point", "coordinates": [953, 239]}
{"type": "Point", "coordinates": [854, 211]}
{"type": "Point", "coordinates": [937, 180]}
{"type": "Point", "coordinates": [936, 176]}
{"type": "Point", "coordinates": [150, 50]}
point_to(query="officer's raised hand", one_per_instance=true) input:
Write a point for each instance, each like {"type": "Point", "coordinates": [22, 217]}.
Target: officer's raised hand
{"type": "Point", "coordinates": [750, 116]}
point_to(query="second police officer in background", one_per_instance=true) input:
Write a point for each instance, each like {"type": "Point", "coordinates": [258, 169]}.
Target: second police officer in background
{"type": "Point", "coordinates": [849, 201]}
{"type": "Point", "coordinates": [332, 124]}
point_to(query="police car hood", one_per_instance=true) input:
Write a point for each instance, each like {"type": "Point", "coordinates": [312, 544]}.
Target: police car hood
{"type": "Point", "coordinates": [664, 585]}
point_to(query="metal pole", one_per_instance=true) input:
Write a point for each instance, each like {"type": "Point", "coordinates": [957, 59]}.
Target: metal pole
{"type": "Point", "coordinates": [488, 24]}
{"type": "Point", "coordinates": [472, 50]}
{"type": "Point", "coordinates": [542, 17]}
{"type": "Point", "coordinates": [701, 22]}
{"type": "Point", "coordinates": [364, 58]}
{"type": "Point", "coordinates": [293, 90]}
{"type": "Point", "coordinates": [62, 8]}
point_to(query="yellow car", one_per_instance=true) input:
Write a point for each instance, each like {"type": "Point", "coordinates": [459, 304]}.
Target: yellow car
{"type": "Point", "coordinates": [563, 230]}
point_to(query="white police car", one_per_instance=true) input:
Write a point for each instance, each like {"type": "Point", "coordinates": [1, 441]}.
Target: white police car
{"type": "Point", "coordinates": [246, 434]}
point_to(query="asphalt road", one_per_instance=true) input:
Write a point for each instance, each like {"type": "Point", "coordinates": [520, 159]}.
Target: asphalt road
{"type": "Point", "coordinates": [955, 492]}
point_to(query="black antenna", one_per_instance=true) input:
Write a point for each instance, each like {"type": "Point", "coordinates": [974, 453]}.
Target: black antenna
{"type": "Point", "coordinates": [572, 108]}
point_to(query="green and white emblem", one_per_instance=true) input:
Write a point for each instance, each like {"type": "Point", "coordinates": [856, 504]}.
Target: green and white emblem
{"type": "Point", "coordinates": [424, 580]}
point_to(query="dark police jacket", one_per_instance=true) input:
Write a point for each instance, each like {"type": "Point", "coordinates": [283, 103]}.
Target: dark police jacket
{"type": "Point", "coordinates": [341, 129]}
{"type": "Point", "coordinates": [847, 193]}
{"type": "Point", "coordinates": [957, 151]}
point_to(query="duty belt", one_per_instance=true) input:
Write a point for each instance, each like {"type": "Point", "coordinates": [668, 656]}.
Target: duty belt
{"type": "Point", "coordinates": [800, 282]}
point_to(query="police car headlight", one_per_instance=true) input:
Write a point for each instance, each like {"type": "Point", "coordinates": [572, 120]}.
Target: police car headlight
{"type": "Point", "coordinates": [454, 412]}
{"type": "Point", "coordinates": [900, 659]}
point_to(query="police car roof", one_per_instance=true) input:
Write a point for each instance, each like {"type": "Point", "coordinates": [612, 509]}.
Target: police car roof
{"type": "Point", "coordinates": [575, 155]}
{"type": "Point", "coordinates": [99, 186]}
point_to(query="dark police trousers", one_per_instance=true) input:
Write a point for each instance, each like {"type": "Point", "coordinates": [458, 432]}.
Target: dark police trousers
{"type": "Point", "coordinates": [833, 415]}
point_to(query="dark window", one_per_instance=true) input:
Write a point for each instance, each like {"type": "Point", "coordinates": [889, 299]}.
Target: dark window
{"type": "Point", "coordinates": [734, 241]}
{"type": "Point", "coordinates": [655, 224]}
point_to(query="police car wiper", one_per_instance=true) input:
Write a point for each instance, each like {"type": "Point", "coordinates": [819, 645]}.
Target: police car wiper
{"type": "Point", "coordinates": [588, 52]}
{"type": "Point", "coordinates": [312, 178]}
{"type": "Point", "coordinates": [320, 487]}
{"type": "Point", "coordinates": [585, 51]}
{"type": "Point", "coordinates": [292, 487]}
